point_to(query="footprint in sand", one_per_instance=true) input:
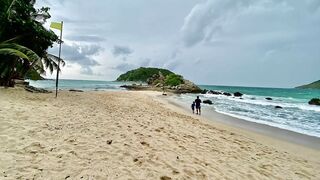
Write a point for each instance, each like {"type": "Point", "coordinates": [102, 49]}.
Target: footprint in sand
{"type": "Point", "coordinates": [165, 178]}
{"type": "Point", "coordinates": [145, 144]}
{"type": "Point", "coordinates": [34, 148]}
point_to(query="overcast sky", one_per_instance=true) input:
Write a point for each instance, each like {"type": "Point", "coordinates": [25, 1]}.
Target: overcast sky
{"type": "Point", "coordinates": [269, 43]}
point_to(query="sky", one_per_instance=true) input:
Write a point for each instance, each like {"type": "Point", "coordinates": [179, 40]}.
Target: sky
{"type": "Point", "coordinates": [260, 43]}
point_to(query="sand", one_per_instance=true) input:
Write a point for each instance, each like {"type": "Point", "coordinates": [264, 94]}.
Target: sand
{"type": "Point", "coordinates": [132, 135]}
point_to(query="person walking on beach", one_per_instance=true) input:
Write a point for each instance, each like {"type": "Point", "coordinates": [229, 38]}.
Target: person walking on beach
{"type": "Point", "coordinates": [192, 106]}
{"type": "Point", "coordinates": [198, 106]}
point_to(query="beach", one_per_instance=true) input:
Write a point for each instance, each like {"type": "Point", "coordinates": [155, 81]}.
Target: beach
{"type": "Point", "coordinates": [135, 135]}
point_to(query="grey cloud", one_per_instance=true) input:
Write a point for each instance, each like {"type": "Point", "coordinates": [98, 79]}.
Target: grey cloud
{"type": "Point", "coordinates": [123, 67]}
{"type": "Point", "coordinates": [121, 50]}
{"type": "Point", "coordinates": [261, 42]}
{"type": "Point", "coordinates": [172, 65]}
{"type": "Point", "coordinates": [86, 70]}
{"type": "Point", "coordinates": [145, 62]}
{"type": "Point", "coordinates": [80, 55]}
{"type": "Point", "coordinates": [208, 18]}
{"type": "Point", "coordinates": [85, 38]}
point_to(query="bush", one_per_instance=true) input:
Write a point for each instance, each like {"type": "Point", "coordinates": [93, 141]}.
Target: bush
{"type": "Point", "coordinates": [142, 74]}
{"type": "Point", "coordinates": [173, 80]}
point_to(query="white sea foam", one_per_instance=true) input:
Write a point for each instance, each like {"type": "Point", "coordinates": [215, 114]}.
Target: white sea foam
{"type": "Point", "coordinates": [297, 115]}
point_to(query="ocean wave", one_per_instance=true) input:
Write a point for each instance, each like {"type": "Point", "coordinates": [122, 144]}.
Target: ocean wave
{"type": "Point", "coordinates": [259, 100]}
{"type": "Point", "coordinates": [296, 115]}
{"type": "Point", "coordinates": [273, 124]}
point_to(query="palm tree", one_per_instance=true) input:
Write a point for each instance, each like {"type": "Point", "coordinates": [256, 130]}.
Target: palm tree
{"type": "Point", "coordinates": [16, 61]}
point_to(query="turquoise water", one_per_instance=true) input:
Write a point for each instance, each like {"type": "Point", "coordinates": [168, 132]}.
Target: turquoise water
{"type": "Point", "coordinates": [296, 115]}
{"type": "Point", "coordinates": [303, 94]}
{"type": "Point", "coordinates": [67, 84]}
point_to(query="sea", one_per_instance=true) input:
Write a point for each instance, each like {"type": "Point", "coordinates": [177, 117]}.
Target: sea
{"type": "Point", "coordinates": [295, 115]}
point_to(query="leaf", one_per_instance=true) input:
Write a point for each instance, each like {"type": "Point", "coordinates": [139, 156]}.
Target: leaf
{"type": "Point", "coordinates": [13, 52]}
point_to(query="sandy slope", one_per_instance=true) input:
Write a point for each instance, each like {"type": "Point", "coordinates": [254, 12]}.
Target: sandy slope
{"type": "Point", "coordinates": [128, 135]}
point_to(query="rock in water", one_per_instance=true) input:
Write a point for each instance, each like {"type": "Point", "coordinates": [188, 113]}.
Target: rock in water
{"type": "Point", "coordinates": [75, 90]}
{"type": "Point", "coordinates": [36, 90]}
{"type": "Point", "coordinates": [315, 101]}
{"type": "Point", "coordinates": [204, 91]}
{"type": "Point", "coordinates": [226, 94]}
{"type": "Point", "coordinates": [207, 101]}
{"type": "Point", "coordinates": [278, 107]}
{"type": "Point", "coordinates": [268, 98]}
{"type": "Point", "coordinates": [237, 94]}
{"type": "Point", "coordinates": [214, 92]}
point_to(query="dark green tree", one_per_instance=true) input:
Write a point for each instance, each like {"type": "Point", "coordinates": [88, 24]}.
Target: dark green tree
{"type": "Point", "coordinates": [24, 41]}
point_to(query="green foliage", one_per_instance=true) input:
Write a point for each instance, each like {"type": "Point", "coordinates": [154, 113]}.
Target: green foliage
{"type": "Point", "coordinates": [22, 19]}
{"type": "Point", "coordinates": [314, 85]}
{"type": "Point", "coordinates": [173, 80]}
{"type": "Point", "coordinates": [24, 41]}
{"type": "Point", "coordinates": [142, 74]}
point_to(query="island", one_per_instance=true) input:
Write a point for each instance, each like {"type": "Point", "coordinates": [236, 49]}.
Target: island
{"type": "Point", "coordinates": [313, 85]}
{"type": "Point", "coordinates": [157, 79]}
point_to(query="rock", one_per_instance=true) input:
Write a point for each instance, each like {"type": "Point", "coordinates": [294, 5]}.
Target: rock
{"type": "Point", "coordinates": [36, 90]}
{"type": "Point", "coordinates": [268, 98]}
{"type": "Point", "coordinates": [109, 142]}
{"type": "Point", "coordinates": [204, 91]}
{"type": "Point", "coordinates": [314, 101]}
{"type": "Point", "coordinates": [135, 87]}
{"type": "Point", "coordinates": [207, 101]}
{"type": "Point", "coordinates": [237, 94]}
{"type": "Point", "coordinates": [226, 94]}
{"type": "Point", "coordinates": [187, 87]}
{"type": "Point", "coordinates": [214, 92]}
{"type": "Point", "coordinates": [20, 83]}
{"type": "Point", "coordinates": [75, 90]}
{"type": "Point", "coordinates": [278, 107]}
{"type": "Point", "coordinates": [165, 178]}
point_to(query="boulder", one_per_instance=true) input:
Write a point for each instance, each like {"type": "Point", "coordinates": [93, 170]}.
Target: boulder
{"type": "Point", "coordinates": [237, 94]}
{"type": "Point", "coordinates": [227, 94]}
{"type": "Point", "coordinates": [204, 91]}
{"type": "Point", "coordinates": [268, 98]}
{"type": "Point", "coordinates": [278, 107]}
{"type": "Point", "coordinates": [207, 101]}
{"type": "Point", "coordinates": [214, 92]}
{"type": "Point", "coordinates": [20, 83]}
{"type": "Point", "coordinates": [75, 90]}
{"type": "Point", "coordinates": [187, 87]}
{"type": "Point", "coordinates": [36, 90]}
{"type": "Point", "coordinates": [314, 101]}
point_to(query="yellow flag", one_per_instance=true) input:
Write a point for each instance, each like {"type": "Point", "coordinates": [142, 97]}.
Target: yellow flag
{"type": "Point", "coordinates": [56, 25]}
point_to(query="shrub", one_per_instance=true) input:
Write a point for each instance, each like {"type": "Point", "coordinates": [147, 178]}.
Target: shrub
{"type": "Point", "coordinates": [173, 80]}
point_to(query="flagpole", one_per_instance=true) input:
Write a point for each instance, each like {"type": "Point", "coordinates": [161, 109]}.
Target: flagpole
{"type": "Point", "coordinates": [57, 79]}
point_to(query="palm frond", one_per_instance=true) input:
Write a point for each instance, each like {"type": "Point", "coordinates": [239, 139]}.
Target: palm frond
{"type": "Point", "coordinates": [32, 56]}
{"type": "Point", "coordinates": [13, 52]}
{"type": "Point", "coordinates": [51, 62]}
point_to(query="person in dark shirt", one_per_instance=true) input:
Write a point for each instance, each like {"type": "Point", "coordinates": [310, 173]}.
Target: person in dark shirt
{"type": "Point", "coordinates": [192, 106]}
{"type": "Point", "coordinates": [198, 105]}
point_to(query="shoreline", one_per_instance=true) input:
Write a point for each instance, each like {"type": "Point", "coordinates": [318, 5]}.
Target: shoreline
{"type": "Point", "coordinates": [264, 129]}
{"type": "Point", "coordinates": [279, 138]}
